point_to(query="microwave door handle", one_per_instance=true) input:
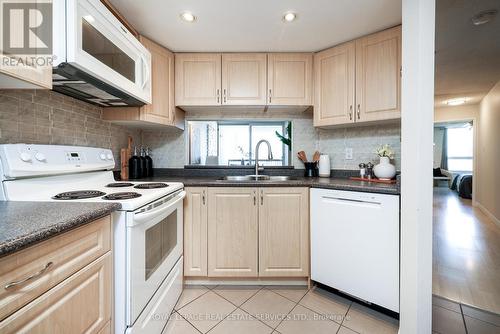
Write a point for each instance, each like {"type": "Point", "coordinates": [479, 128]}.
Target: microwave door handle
{"type": "Point", "coordinates": [146, 73]}
{"type": "Point", "coordinates": [142, 217]}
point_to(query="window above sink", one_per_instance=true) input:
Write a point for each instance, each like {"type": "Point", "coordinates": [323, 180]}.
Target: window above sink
{"type": "Point", "coordinates": [232, 143]}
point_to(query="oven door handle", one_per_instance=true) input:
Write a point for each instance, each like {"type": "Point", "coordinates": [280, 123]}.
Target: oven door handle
{"type": "Point", "coordinates": [141, 217]}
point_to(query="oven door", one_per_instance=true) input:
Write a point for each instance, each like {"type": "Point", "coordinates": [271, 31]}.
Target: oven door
{"type": "Point", "coordinates": [98, 44]}
{"type": "Point", "coordinates": [154, 244]}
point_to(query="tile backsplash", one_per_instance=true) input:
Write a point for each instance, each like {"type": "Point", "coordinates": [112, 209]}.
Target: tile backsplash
{"type": "Point", "coordinates": [46, 117]}
{"type": "Point", "coordinates": [169, 146]}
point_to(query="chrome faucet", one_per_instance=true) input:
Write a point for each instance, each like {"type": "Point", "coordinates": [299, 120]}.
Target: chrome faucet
{"type": "Point", "coordinates": [269, 155]}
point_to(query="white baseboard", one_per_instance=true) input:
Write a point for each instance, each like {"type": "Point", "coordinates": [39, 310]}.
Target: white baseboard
{"type": "Point", "coordinates": [487, 213]}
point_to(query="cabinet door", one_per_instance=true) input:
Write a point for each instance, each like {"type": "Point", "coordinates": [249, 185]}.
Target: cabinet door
{"type": "Point", "coordinates": [244, 79]}
{"type": "Point", "coordinates": [334, 75]}
{"type": "Point", "coordinates": [378, 76]}
{"type": "Point", "coordinates": [284, 232]}
{"type": "Point", "coordinates": [197, 79]}
{"type": "Point", "coordinates": [232, 232]}
{"type": "Point", "coordinates": [80, 304]}
{"type": "Point", "coordinates": [161, 110]}
{"type": "Point", "coordinates": [289, 77]}
{"type": "Point", "coordinates": [195, 231]}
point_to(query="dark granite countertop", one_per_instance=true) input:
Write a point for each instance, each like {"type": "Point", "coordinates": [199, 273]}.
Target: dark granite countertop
{"type": "Point", "coordinates": [326, 183]}
{"type": "Point", "coordinates": [23, 224]}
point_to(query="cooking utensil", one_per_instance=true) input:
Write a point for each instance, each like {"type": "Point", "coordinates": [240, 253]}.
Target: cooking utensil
{"type": "Point", "coordinates": [316, 156]}
{"type": "Point", "coordinates": [302, 156]}
{"type": "Point", "coordinates": [125, 154]}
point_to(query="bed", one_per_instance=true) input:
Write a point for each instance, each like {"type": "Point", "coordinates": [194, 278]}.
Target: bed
{"type": "Point", "coordinates": [462, 183]}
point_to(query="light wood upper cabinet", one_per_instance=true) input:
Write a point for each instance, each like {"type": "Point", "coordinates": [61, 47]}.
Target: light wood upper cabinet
{"type": "Point", "coordinates": [162, 110]}
{"type": "Point", "coordinates": [244, 78]}
{"type": "Point", "coordinates": [195, 231]}
{"type": "Point", "coordinates": [232, 232]}
{"type": "Point", "coordinates": [378, 76]}
{"type": "Point", "coordinates": [335, 86]}
{"type": "Point", "coordinates": [198, 79]}
{"type": "Point", "coordinates": [359, 81]}
{"type": "Point", "coordinates": [289, 79]}
{"type": "Point", "coordinates": [284, 232]}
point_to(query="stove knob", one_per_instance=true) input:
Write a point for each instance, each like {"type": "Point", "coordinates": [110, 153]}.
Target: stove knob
{"type": "Point", "coordinates": [102, 156]}
{"type": "Point", "coordinates": [109, 156]}
{"type": "Point", "coordinates": [40, 156]}
{"type": "Point", "coordinates": [26, 157]}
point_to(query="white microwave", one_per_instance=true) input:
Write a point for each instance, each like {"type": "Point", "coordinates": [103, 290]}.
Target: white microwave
{"type": "Point", "coordinates": [96, 58]}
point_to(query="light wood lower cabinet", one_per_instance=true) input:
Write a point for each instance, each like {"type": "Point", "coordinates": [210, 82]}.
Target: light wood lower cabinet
{"type": "Point", "coordinates": [284, 232]}
{"type": "Point", "coordinates": [195, 231]}
{"type": "Point", "coordinates": [246, 232]}
{"type": "Point", "coordinates": [232, 232]}
{"type": "Point", "coordinates": [80, 304]}
{"type": "Point", "coordinates": [71, 288]}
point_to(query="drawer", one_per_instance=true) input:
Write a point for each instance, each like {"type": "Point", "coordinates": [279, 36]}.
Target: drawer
{"type": "Point", "coordinates": [62, 256]}
{"type": "Point", "coordinates": [79, 304]}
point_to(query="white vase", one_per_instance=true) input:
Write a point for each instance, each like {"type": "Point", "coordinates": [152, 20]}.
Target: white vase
{"type": "Point", "coordinates": [384, 170]}
{"type": "Point", "coordinates": [324, 165]}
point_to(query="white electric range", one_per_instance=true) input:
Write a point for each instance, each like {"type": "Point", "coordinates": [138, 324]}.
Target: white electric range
{"type": "Point", "coordinates": [148, 229]}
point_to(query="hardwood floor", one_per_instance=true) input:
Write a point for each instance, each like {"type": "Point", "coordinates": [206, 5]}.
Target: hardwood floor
{"type": "Point", "coordinates": [466, 252]}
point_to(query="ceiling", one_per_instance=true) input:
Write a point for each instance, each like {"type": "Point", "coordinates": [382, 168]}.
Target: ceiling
{"type": "Point", "coordinates": [467, 56]}
{"type": "Point", "coordinates": [257, 25]}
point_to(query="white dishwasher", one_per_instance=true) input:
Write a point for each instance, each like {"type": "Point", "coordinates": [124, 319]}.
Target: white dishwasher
{"type": "Point", "coordinates": [355, 244]}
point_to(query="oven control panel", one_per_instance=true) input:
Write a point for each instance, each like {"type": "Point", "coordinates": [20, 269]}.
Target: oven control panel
{"type": "Point", "coordinates": [23, 160]}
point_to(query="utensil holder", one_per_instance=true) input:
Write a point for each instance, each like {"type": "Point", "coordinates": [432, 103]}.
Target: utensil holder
{"type": "Point", "coordinates": [311, 169]}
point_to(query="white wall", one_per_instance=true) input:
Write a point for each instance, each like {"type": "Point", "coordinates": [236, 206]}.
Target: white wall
{"type": "Point", "coordinates": [456, 113]}
{"type": "Point", "coordinates": [488, 160]}
{"type": "Point", "coordinates": [417, 98]}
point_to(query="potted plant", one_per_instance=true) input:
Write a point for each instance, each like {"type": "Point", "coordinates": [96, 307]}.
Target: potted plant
{"type": "Point", "coordinates": [385, 170]}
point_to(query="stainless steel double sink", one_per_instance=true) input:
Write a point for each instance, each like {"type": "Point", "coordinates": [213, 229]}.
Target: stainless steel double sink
{"type": "Point", "coordinates": [253, 178]}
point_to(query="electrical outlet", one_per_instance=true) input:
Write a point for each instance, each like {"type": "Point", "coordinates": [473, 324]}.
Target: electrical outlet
{"type": "Point", "coordinates": [348, 153]}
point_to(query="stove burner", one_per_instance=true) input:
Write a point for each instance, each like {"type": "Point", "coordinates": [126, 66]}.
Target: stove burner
{"type": "Point", "coordinates": [80, 194]}
{"type": "Point", "coordinates": [120, 196]}
{"type": "Point", "coordinates": [151, 185]}
{"type": "Point", "coordinates": [119, 185]}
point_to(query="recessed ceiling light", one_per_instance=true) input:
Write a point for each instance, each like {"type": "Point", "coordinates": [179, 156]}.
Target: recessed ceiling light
{"type": "Point", "coordinates": [289, 17]}
{"type": "Point", "coordinates": [484, 17]}
{"type": "Point", "coordinates": [187, 17]}
{"type": "Point", "coordinates": [456, 102]}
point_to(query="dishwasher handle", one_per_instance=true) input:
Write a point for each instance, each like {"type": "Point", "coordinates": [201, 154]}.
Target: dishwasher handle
{"type": "Point", "coordinates": [351, 200]}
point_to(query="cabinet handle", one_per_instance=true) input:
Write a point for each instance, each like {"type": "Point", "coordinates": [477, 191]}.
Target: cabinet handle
{"type": "Point", "coordinates": [350, 112]}
{"type": "Point", "coordinates": [254, 199]}
{"type": "Point", "coordinates": [218, 95]}
{"type": "Point", "coordinates": [30, 277]}
{"type": "Point", "coordinates": [203, 197]}
{"type": "Point", "coordinates": [270, 93]}
{"type": "Point", "coordinates": [224, 95]}
{"type": "Point", "coordinates": [261, 197]}
{"type": "Point", "coordinates": [358, 111]}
